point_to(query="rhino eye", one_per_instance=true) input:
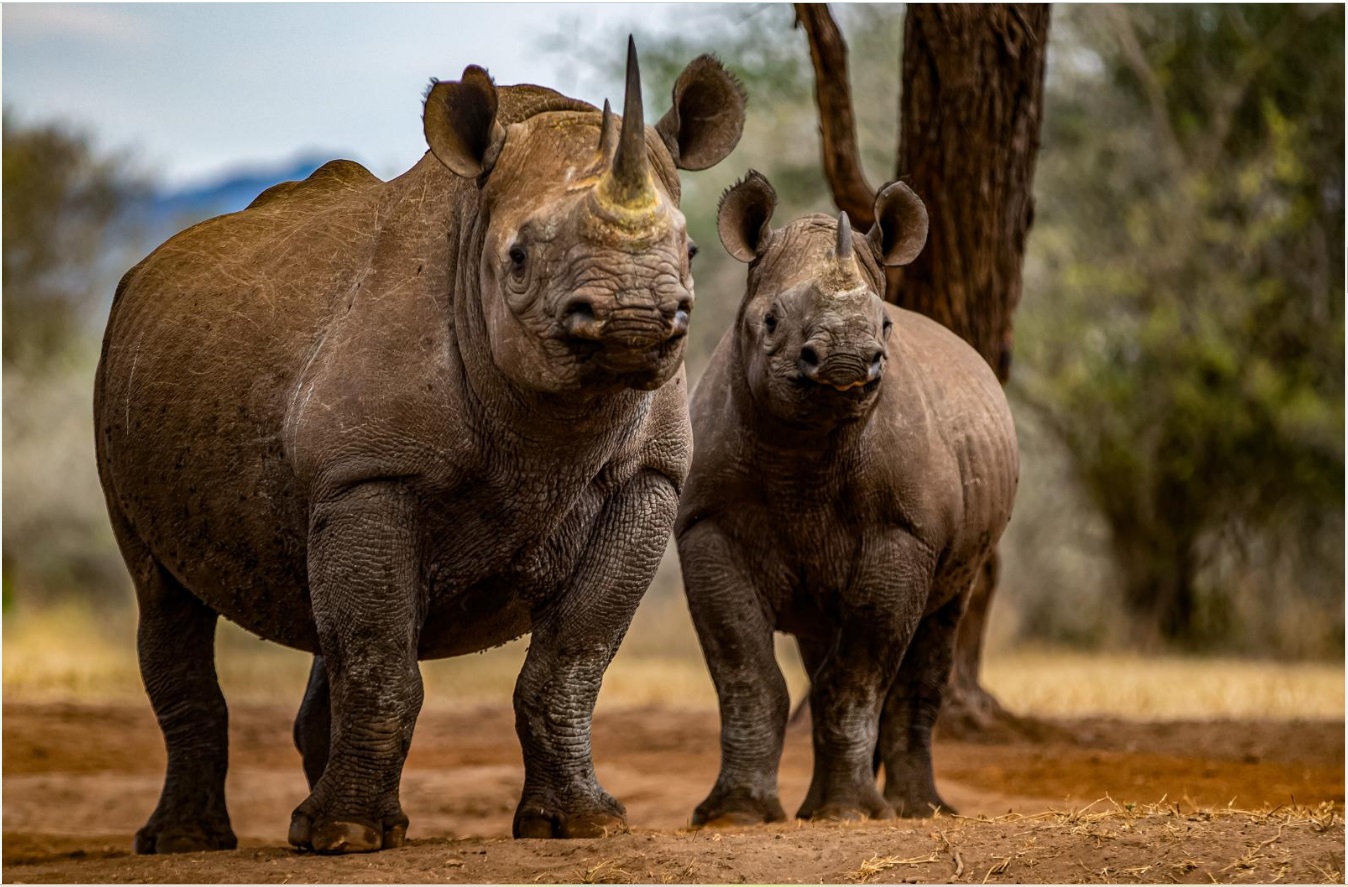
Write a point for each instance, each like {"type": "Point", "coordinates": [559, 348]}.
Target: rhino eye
{"type": "Point", "coordinates": [887, 326]}
{"type": "Point", "coordinates": [692, 250]}
{"type": "Point", "coordinates": [771, 323]}
{"type": "Point", "coordinates": [517, 257]}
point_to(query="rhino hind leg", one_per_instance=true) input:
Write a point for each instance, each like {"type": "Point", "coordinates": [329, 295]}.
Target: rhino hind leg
{"type": "Point", "coordinates": [910, 712]}
{"type": "Point", "coordinates": [176, 646]}
{"type": "Point", "coordinates": [313, 723]}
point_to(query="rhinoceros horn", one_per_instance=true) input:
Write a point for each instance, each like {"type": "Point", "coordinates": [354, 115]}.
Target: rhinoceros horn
{"type": "Point", "coordinates": [608, 133]}
{"type": "Point", "coordinates": [627, 182]}
{"type": "Point", "coordinates": [843, 249]}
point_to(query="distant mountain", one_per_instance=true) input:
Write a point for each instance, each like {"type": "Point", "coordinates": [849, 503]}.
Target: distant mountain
{"type": "Point", "coordinates": [167, 211]}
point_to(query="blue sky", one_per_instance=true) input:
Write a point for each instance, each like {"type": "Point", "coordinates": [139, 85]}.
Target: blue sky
{"type": "Point", "coordinates": [195, 88]}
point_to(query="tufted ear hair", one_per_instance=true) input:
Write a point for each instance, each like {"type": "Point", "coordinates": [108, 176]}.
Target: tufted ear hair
{"type": "Point", "coordinates": [707, 118]}
{"type": "Point", "coordinates": [900, 229]}
{"type": "Point", "coordinates": [743, 216]}
{"type": "Point", "coordinates": [460, 123]}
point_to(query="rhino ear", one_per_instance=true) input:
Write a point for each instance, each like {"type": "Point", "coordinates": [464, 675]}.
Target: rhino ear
{"type": "Point", "coordinates": [900, 229]}
{"type": "Point", "coordinates": [707, 119]}
{"type": "Point", "coordinates": [743, 216]}
{"type": "Point", "coordinates": [460, 123]}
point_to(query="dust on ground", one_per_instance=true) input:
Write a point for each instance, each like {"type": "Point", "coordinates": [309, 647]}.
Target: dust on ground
{"type": "Point", "coordinates": [1093, 800]}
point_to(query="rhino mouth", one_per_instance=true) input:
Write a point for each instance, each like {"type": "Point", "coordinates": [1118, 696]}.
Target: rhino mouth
{"type": "Point", "coordinates": [621, 360]}
{"type": "Point", "coordinates": [851, 391]}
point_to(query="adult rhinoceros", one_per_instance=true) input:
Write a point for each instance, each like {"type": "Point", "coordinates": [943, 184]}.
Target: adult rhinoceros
{"type": "Point", "coordinates": [391, 421]}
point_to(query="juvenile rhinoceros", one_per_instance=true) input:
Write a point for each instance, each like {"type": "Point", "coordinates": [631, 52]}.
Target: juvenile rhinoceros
{"type": "Point", "coordinates": [854, 465]}
{"type": "Point", "coordinates": [391, 421]}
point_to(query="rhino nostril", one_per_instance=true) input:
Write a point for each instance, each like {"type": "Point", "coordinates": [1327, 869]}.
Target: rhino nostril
{"type": "Point", "coordinates": [809, 362]}
{"type": "Point", "coordinates": [876, 358]}
{"type": "Point", "coordinates": [578, 318]}
{"type": "Point", "coordinates": [681, 317]}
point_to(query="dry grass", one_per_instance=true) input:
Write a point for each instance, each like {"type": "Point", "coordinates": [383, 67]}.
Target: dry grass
{"type": "Point", "coordinates": [1165, 827]}
{"type": "Point", "coordinates": [70, 653]}
{"type": "Point", "coordinates": [1053, 683]}
{"type": "Point", "coordinates": [1089, 818]}
{"type": "Point", "coordinates": [869, 868]}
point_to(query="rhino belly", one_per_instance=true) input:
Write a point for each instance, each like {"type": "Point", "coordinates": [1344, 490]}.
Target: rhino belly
{"type": "Point", "coordinates": [487, 616]}
{"type": "Point", "coordinates": [223, 517]}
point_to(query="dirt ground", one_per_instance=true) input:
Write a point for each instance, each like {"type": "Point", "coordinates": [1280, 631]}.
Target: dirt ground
{"type": "Point", "coordinates": [1097, 801]}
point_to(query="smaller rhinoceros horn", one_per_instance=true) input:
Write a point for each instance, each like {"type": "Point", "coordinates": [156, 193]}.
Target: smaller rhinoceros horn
{"type": "Point", "coordinates": [843, 249]}
{"type": "Point", "coordinates": [628, 182]}
{"type": "Point", "coordinates": [608, 132]}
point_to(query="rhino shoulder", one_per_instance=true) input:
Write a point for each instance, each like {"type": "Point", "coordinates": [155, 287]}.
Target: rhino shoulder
{"type": "Point", "coordinates": [668, 434]}
{"type": "Point", "coordinates": [333, 177]}
{"type": "Point", "coordinates": [719, 442]}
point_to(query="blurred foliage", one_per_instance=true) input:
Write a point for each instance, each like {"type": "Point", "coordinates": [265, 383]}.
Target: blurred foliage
{"type": "Point", "coordinates": [65, 240]}
{"type": "Point", "coordinates": [1182, 333]}
{"type": "Point", "coordinates": [62, 201]}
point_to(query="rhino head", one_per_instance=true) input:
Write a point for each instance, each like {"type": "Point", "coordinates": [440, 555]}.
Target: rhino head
{"type": "Point", "coordinates": [813, 330]}
{"type": "Point", "coordinates": [585, 262]}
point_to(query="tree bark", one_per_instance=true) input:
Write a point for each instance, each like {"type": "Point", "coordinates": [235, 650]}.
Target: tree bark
{"type": "Point", "coordinates": [970, 109]}
{"type": "Point", "coordinates": [973, 88]}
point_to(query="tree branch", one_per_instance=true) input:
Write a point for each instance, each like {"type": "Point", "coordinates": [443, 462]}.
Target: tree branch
{"type": "Point", "coordinates": [1122, 27]}
{"type": "Point", "coordinates": [837, 125]}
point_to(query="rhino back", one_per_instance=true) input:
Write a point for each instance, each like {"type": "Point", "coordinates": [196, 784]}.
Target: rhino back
{"type": "Point", "coordinates": [967, 458]}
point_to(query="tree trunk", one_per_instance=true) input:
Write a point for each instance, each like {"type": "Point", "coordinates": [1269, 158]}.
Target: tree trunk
{"type": "Point", "coordinates": [1158, 585]}
{"type": "Point", "coordinates": [973, 89]}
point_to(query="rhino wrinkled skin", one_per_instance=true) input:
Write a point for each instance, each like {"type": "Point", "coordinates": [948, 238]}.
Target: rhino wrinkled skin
{"type": "Point", "coordinates": [855, 463]}
{"type": "Point", "coordinates": [390, 421]}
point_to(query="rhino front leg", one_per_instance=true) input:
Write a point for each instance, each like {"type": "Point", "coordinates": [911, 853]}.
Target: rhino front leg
{"type": "Point", "coordinates": [736, 636]}
{"type": "Point", "coordinates": [176, 645]}
{"type": "Point", "coordinates": [910, 713]}
{"type": "Point", "coordinates": [850, 685]}
{"type": "Point", "coordinates": [368, 604]}
{"type": "Point", "coordinates": [574, 638]}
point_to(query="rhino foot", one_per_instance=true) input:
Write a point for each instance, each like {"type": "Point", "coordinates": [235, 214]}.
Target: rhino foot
{"type": "Point", "coordinates": [542, 819]}
{"type": "Point", "coordinates": [843, 805]}
{"type": "Point", "coordinates": [918, 804]}
{"type": "Point", "coordinates": [347, 834]}
{"type": "Point", "coordinates": [158, 839]}
{"type": "Point", "coordinates": [737, 808]}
